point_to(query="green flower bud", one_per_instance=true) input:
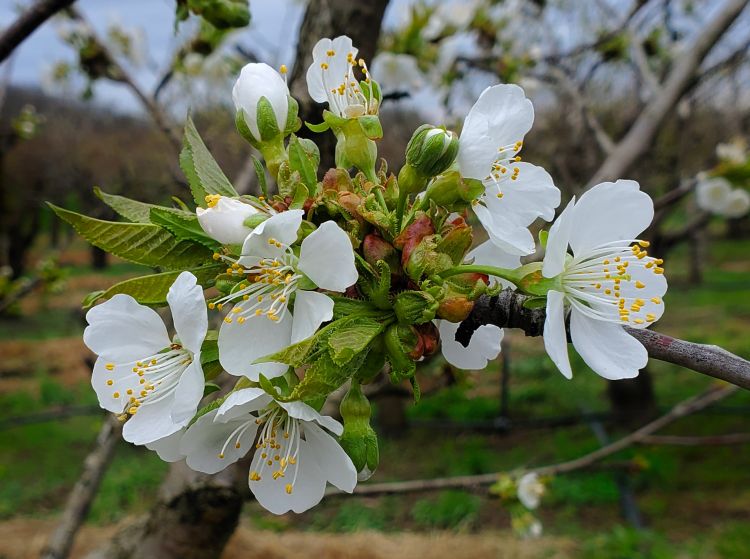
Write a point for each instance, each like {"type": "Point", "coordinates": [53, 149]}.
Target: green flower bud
{"type": "Point", "coordinates": [359, 440]}
{"type": "Point", "coordinates": [403, 347]}
{"type": "Point", "coordinates": [426, 260]}
{"type": "Point", "coordinates": [452, 191]}
{"type": "Point", "coordinates": [431, 150]}
{"type": "Point", "coordinates": [415, 307]}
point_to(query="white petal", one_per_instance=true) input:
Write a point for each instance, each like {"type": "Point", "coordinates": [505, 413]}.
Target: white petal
{"type": "Point", "coordinates": [205, 440]}
{"type": "Point", "coordinates": [512, 238]}
{"type": "Point", "coordinates": [489, 254]}
{"type": "Point", "coordinates": [712, 194]}
{"type": "Point", "coordinates": [188, 393]}
{"type": "Point", "coordinates": [501, 116]}
{"type": "Point", "coordinates": [224, 222]}
{"type": "Point", "coordinates": [281, 227]}
{"type": "Point", "coordinates": [332, 460]}
{"type": "Point", "coordinates": [606, 347]}
{"type": "Point", "coordinates": [533, 194]}
{"type": "Point", "coordinates": [150, 423]}
{"type": "Point", "coordinates": [122, 379]}
{"type": "Point", "coordinates": [483, 346]}
{"type": "Point", "coordinates": [555, 336]}
{"type": "Point", "coordinates": [242, 402]}
{"type": "Point", "coordinates": [653, 287]}
{"type": "Point", "coordinates": [258, 80]}
{"type": "Point", "coordinates": [327, 258]}
{"type": "Point", "coordinates": [189, 312]}
{"type": "Point", "coordinates": [309, 486]}
{"type": "Point", "coordinates": [557, 242]}
{"type": "Point", "coordinates": [610, 211]}
{"type": "Point", "coordinates": [311, 309]}
{"type": "Point", "coordinates": [122, 330]}
{"type": "Point", "coordinates": [242, 344]}
{"type": "Point", "coordinates": [168, 448]}
{"type": "Point", "coordinates": [737, 204]}
{"type": "Point", "coordinates": [303, 412]}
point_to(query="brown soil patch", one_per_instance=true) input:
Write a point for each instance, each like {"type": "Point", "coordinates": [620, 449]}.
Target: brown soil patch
{"type": "Point", "coordinates": [24, 539]}
{"type": "Point", "coordinates": [63, 358]}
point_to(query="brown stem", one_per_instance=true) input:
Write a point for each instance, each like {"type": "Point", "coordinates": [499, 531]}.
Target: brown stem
{"type": "Point", "coordinates": [27, 23]}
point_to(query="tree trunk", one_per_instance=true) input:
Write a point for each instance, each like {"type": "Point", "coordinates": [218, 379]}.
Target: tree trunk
{"type": "Point", "coordinates": [193, 519]}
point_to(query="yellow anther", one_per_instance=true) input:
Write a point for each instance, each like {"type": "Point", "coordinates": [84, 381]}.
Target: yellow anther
{"type": "Point", "coordinates": [220, 306]}
{"type": "Point", "coordinates": [650, 264]}
{"type": "Point", "coordinates": [254, 476]}
{"type": "Point", "coordinates": [605, 262]}
{"type": "Point", "coordinates": [598, 285]}
{"type": "Point", "coordinates": [258, 312]}
{"type": "Point", "coordinates": [650, 317]}
{"type": "Point", "coordinates": [617, 258]}
{"type": "Point", "coordinates": [639, 321]}
{"type": "Point", "coordinates": [212, 306]}
{"type": "Point", "coordinates": [132, 410]}
{"type": "Point", "coordinates": [236, 310]}
{"type": "Point", "coordinates": [288, 488]}
{"type": "Point", "coordinates": [228, 319]}
{"type": "Point", "coordinates": [324, 65]}
{"type": "Point", "coordinates": [109, 366]}
{"type": "Point", "coordinates": [237, 445]}
{"type": "Point", "coordinates": [644, 244]}
{"type": "Point", "coordinates": [658, 270]}
{"type": "Point", "coordinates": [110, 382]}
{"type": "Point", "coordinates": [283, 69]}
{"type": "Point", "coordinates": [640, 284]}
{"type": "Point", "coordinates": [216, 256]}
{"type": "Point", "coordinates": [607, 291]}
{"type": "Point", "coordinates": [221, 455]}
{"type": "Point", "coordinates": [129, 391]}
{"type": "Point", "coordinates": [116, 395]}
{"type": "Point", "coordinates": [241, 320]}
{"type": "Point", "coordinates": [500, 194]}
{"type": "Point", "coordinates": [141, 381]}
{"type": "Point", "coordinates": [656, 300]}
{"type": "Point", "coordinates": [212, 200]}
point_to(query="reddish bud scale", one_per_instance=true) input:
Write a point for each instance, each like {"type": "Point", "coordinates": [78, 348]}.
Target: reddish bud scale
{"type": "Point", "coordinates": [412, 236]}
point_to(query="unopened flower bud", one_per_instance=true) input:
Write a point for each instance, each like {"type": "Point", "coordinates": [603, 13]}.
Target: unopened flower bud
{"type": "Point", "coordinates": [359, 440]}
{"type": "Point", "coordinates": [224, 219]}
{"type": "Point", "coordinates": [415, 307]}
{"type": "Point", "coordinates": [431, 150]}
{"type": "Point", "coordinates": [453, 191]}
{"type": "Point", "coordinates": [430, 336]}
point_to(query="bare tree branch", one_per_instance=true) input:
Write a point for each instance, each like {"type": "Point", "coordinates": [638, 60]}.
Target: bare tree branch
{"type": "Point", "coordinates": [644, 129]}
{"type": "Point", "coordinates": [682, 409]}
{"type": "Point", "coordinates": [84, 491]}
{"type": "Point", "coordinates": [709, 440]}
{"type": "Point", "coordinates": [644, 69]}
{"type": "Point", "coordinates": [27, 23]}
{"type": "Point", "coordinates": [507, 311]}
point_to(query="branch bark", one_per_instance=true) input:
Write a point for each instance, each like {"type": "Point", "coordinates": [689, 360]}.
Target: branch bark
{"type": "Point", "coordinates": [644, 129]}
{"type": "Point", "coordinates": [84, 491]}
{"type": "Point", "coordinates": [27, 23]}
{"type": "Point", "coordinates": [682, 409]}
{"type": "Point", "coordinates": [507, 311]}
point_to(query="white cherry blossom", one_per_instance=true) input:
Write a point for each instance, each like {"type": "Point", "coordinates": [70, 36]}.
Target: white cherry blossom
{"type": "Point", "coordinates": [258, 81]}
{"type": "Point", "coordinates": [224, 219]}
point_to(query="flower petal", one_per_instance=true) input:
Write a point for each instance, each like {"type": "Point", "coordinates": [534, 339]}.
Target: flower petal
{"type": "Point", "coordinates": [489, 254]}
{"type": "Point", "coordinates": [332, 460]}
{"type": "Point", "coordinates": [240, 345]}
{"type": "Point", "coordinates": [531, 195]}
{"type": "Point", "coordinates": [483, 346]}
{"type": "Point", "coordinates": [112, 397]}
{"type": "Point", "coordinates": [557, 242]}
{"type": "Point", "coordinates": [189, 392]}
{"type": "Point", "coordinates": [225, 222]}
{"type": "Point", "coordinates": [259, 80]}
{"type": "Point", "coordinates": [606, 347]}
{"type": "Point", "coordinates": [308, 491]}
{"type": "Point", "coordinates": [207, 439]}
{"type": "Point", "coordinates": [121, 330]}
{"type": "Point", "coordinates": [327, 258]}
{"type": "Point", "coordinates": [303, 412]}
{"type": "Point", "coordinates": [510, 237]}
{"type": "Point", "coordinates": [610, 211]}
{"type": "Point", "coordinates": [501, 116]}
{"type": "Point", "coordinates": [555, 337]}
{"type": "Point", "coordinates": [281, 227]}
{"type": "Point", "coordinates": [168, 448]}
{"type": "Point", "coordinates": [150, 423]}
{"type": "Point", "coordinates": [242, 402]}
{"type": "Point", "coordinates": [189, 312]}
{"type": "Point", "coordinates": [311, 309]}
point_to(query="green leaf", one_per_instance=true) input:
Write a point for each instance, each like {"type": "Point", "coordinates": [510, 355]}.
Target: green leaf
{"type": "Point", "coordinates": [345, 307]}
{"type": "Point", "coordinates": [210, 388]}
{"type": "Point", "coordinates": [203, 173]}
{"type": "Point", "coordinates": [183, 225]}
{"type": "Point", "coordinates": [212, 369]}
{"type": "Point", "coordinates": [318, 128]}
{"type": "Point", "coordinates": [324, 376]}
{"type": "Point", "coordinates": [352, 338]}
{"type": "Point", "coordinates": [132, 210]}
{"type": "Point", "coordinates": [141, 243]}
{"type": "Point", "coordinates": [294, 355]}
{"type": "Point", "coordinates": [152, 289]}
{"type": "Point", "coordinates": [304, 157]}
{"type": "Point", "coordinates": [209, 351]}
{"type": "Point", "coordinates": [261, 173]}
{"type": "Point", "coordinates": [415, 389]}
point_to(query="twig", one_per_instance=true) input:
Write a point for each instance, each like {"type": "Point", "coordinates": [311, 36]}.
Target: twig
{"type": "Point", "coordinates": [49, 415]}
{"type": "Point", "coordinates": [507, 311]}
{"type": "Point", "coordinates": [84, 491]}
{"type": "Point", "coordinates": [27, 23]}
{"type": "Point", "coordinates": [640, 59]}
{"type": "Point", "coordinates": [122, 76]}
{"type": "Point", "coordinates": [709, 440]}
{"type": "Point", "coordinates": [682, 409]}
{"type": "Point", "coordinates": [641, 134]}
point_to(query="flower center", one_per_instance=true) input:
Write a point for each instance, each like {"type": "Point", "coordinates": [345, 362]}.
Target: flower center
{"type": "Point", "coordinates": [277, 448]}
{"type": "Point", "coordinates": [611, 283]}
{"type": "Point", "coordinates": [502, 168]}
{"type": "Point", "coordinates": [151, 379]}
{"type": "Point", "coordinates": [345, 95]}
{"type": "Point", "coordinates": [267, 289]}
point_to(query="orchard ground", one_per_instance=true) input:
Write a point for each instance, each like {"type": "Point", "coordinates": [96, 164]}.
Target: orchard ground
{"type": "Point", "coordinates": [695, 500]}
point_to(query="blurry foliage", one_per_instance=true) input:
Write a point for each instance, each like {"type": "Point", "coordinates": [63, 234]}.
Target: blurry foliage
{"type": "Point", "coordinates": [450, 509]}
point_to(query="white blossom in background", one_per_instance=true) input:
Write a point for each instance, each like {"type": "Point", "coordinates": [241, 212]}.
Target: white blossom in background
{"type": "Point", "coordinates": [608, 282]}
{"type": "Point", "coordinates": [516, 193]}
{"type": "Point", "coordinates": [397, 72]}
{"type": "Point", "coordinates": [140, 373]}
{"type": "Point", "coordinates": [224, 219]}
{"type": "Point", "coordinates": [261, 322]}
{"type": "Point", "coordinates": [530, 490]}
{"type": "Point", "coordinates": [294, 457]}
{"type": "Point", "coordinates": [717, 196]}
{"type": "Point", "coordinates": [452, 14]}
{"type": "Point", "coordinates": [734, 152]}
{"type": "Point", "coordinates": [331, 79]}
